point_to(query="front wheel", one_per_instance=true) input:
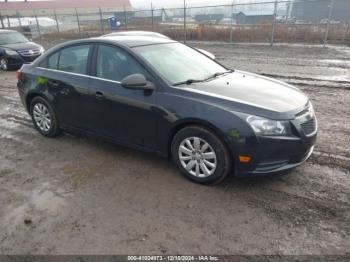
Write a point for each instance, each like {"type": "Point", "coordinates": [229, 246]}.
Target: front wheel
{"type": "Point", "coordinates": [44, 117]}
{"type": "Point", "coordinates": [200, 155]}
{"type": "Point", "coordinates": [4, 64]}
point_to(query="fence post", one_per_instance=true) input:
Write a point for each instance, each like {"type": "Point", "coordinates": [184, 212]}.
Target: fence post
{"type": "Point", "coordinates": [57, 24]}
{"type": "Point", "coordinates": [346, 32]}
{"type": "Point", "coordinates": [330, 13]}
{"type": "Point", "coordinates": [231, 30]}
{"type": "Point", "coordinates": [2, 22]}
{"type": "Point", "coordinates": [101, 21]}
{"type": "Point", "coordinates": [152, 17]}
{"type": "Point", "coordinates": [19, 20]}
{"type": "Point", "coordinates": [274, 24]}
{"type": "Point", "coordinates": [38, 26]}
{"type": "Point", "coordinates": [78, 21]}
{"type": "Point", "coordinates": [125, 19]}
{"type": "Point", "coordinates": [8, 22]}
{"type": "Point", "coordinates": [185, 22]}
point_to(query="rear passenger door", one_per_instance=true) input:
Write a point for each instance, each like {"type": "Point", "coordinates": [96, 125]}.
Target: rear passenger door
{"type": "Point", "coordinates": [67, 80]}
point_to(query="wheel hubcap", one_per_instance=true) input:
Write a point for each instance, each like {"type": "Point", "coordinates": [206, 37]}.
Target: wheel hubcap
{"type": "Point", "coordinates": [3, 64]}
{"type": "Point", "coordinates": [197, 157]}
{"type": "Point", "coordinates": [42, 117]}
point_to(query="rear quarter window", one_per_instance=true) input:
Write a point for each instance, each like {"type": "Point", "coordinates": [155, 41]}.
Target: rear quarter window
{"type": "Point", "coordinates": [52, 62]}
{"type": "Point", "coordinates": [71, 59]}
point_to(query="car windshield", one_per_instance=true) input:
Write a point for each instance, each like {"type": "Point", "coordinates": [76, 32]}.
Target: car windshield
{"type": "Point", "coordinates": [178, 63]}
{"type": "Point", "coordinates": [12, 38]}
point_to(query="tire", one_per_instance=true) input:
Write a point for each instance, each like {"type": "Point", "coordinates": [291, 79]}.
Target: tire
{"type": "Point", "coordinates": [40, 109]}
{"type": "Point", "coordinates": [215, 152]}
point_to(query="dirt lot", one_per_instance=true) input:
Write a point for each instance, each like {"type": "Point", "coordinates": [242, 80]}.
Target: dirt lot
{"type": "Point", "coordinates": [77, 195]}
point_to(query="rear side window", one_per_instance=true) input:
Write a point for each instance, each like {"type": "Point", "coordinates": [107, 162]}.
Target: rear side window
{"type": "Point", "coordinates": [74, 59]}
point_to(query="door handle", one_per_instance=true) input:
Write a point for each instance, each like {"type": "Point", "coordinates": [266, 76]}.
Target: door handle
{"type": "Point", "coordinates": [54, 83]}
{"type": "Point", "coordinates": [99, 95]}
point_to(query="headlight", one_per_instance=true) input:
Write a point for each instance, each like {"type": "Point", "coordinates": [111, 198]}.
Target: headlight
{"type": "Point", "coordinates": [11, 52]}
{"type": "Point", "coordinates": [267, 127]}
{"type": "Point", "coordinates": [42, 50]}
{"type": "Point", "coordinates": [311, 110]}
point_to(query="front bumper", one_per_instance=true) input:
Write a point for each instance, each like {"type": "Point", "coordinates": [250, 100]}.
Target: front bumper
{"type": "Point", "coordinates": [278, 167]}
{"type": "Point", "coordinates": [16, 61]}
{"type": "Point", "coordinates": [276, 155]}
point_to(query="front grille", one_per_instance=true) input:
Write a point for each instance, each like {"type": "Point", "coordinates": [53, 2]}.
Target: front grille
{"type": "Point", "coordinates": [309, 126]}
{"type": "Point", "coordinates": [30, 52]}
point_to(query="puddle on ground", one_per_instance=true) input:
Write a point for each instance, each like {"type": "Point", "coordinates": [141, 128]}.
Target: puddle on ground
{"type": "Point", "coordinates": [48, 201]}
{"type": "Point", "coordinates": [40, 200]}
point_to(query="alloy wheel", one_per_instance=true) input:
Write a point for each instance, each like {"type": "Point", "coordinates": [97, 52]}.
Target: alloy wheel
{"type": "Point", "coordinates": [42, 117]}
{"type": "Point", "coordinates": [3, 64]}
{"type": "Point", "coordinates": [197, 157]}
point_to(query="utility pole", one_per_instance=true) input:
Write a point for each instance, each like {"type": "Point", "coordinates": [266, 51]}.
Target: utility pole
{"type": "Point", "coordinates": [330, 13]}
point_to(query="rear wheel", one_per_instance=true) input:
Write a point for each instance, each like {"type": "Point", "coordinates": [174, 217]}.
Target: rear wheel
{"type": "Point", "coordinates": [200, 155]}
{"type": "Point", "coordinates": [44, 117]}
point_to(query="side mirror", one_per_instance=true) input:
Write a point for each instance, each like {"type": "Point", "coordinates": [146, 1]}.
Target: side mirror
{"type": "Point", "coordinates": [137, 82]}
{"type": "Point", "coordinates": [204, 52]}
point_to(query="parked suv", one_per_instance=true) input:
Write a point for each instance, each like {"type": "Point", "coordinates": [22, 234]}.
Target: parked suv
{"type": "Point", "coordinates": [16, 49]}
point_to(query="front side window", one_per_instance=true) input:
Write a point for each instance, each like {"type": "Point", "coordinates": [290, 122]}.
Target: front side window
{"type": "Point", "coordinates": [114, 63]}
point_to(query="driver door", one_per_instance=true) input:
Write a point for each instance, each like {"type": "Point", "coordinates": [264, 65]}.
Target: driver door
{"type": "Point", "coordinates": [121, 114]}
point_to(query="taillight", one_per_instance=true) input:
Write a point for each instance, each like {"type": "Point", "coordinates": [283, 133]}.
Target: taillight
{"type": "Point", "coordinates": [19, 74]}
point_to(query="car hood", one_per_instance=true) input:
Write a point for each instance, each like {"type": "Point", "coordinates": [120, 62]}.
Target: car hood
{"type": "Point", "coordinates": [252, 90]}
{"type": "Point", "coordinates": [21, 46]}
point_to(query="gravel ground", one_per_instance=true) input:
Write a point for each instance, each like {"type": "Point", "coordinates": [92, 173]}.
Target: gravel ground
{"type": "Point", "coordinates": [78, 195]}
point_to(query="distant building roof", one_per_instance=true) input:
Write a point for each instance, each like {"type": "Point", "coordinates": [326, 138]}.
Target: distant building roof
{"type": "Point", "coordinates": [63, 4]}
{"type": "Point", "coordinates": [256, 13]}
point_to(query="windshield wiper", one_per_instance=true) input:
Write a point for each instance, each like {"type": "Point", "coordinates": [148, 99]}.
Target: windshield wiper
{"type": "Point", "coordinates": [219, 74]}
{"type": "Point", "coordinates": [191, 81]}
{"type": "Point", "coordinates": [188, 82]}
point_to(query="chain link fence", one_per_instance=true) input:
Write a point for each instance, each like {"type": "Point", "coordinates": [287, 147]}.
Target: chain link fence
{"type": "Point", "coordinates": [283, 21]}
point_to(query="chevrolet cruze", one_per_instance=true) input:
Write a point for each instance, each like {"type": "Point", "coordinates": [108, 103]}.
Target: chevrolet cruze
{"type": "Point", "coordinates": [158, 95]}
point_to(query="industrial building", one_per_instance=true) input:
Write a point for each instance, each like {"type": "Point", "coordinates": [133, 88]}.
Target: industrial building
{"type": "Point", "coordinates": [254, 17]}
{"type": "Point", "coordinates": [316, 11]}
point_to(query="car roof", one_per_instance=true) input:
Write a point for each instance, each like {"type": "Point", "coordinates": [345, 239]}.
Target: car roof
{"type": "Point", "coordinates": [136, 33]}
{"type": "Point", "coordinates": [4, 31]}
{"type": "Point", "coordinates": [133, 41]}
